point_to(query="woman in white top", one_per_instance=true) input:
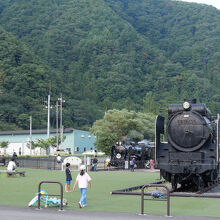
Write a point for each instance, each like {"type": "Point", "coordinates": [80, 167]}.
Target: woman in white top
{"type": "Point", "coordinates": [83, 179]}
{"type": "Point", "coordinates": [11, 165]}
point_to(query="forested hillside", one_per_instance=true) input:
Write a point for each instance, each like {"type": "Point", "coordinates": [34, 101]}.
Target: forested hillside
{"type": "Point", "coordinates": [103, 54]}
{"type": "Point", "coordinates": [23, 78]}
{"type": "Point", "coordinates": [188, 34]}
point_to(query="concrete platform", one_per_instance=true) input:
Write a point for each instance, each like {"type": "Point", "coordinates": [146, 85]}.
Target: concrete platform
{"type": "Point", "coordinates": [26, 213]}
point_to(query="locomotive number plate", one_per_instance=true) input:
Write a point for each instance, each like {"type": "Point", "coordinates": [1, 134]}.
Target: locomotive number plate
{"type": "Point", "coordinates": [186, 122]}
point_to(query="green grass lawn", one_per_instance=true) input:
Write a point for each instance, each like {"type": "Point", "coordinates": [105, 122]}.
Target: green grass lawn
{"type": "Point", "coordinates": [18, 191]}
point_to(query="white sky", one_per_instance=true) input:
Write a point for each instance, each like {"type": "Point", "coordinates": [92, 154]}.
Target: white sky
{"type": "Point", "coordinates": [215, 3]}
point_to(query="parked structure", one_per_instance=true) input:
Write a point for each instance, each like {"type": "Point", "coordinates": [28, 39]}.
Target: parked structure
{"type": "Point", "coordinates": [75, 142]}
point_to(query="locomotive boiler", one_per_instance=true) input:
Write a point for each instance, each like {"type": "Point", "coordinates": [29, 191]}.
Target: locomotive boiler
{"type": "Point", "coordinates": [191, 155]}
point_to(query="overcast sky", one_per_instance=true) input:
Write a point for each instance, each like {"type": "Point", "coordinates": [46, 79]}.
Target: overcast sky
{"type": "Point", "coordinates": [215, 3]}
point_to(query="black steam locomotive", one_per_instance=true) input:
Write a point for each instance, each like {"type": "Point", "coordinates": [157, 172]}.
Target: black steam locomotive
{"type": "Point", "coordinates": [191, 156]}
{"type": "Point", "coordinates": [124, 152]}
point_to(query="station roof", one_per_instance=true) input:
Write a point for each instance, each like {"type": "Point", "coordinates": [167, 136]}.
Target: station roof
{"type": "Point", "coordinates": [38, 131]}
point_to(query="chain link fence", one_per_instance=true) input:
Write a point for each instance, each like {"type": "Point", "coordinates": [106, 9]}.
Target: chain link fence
{"type": "Point", "coordinates": [50, 162]}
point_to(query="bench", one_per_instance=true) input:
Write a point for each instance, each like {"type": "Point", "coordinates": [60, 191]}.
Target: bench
{"type": "Point", "coordinates": [12, 173]}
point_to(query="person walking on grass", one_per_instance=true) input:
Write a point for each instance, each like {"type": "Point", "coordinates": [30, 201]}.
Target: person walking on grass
{"type": "Point", "coordinates": [68, 178]}
{"type": "Point", "coordinates": [83, 179]}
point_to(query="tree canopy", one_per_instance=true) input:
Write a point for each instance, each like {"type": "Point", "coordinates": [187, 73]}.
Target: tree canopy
{"type": "Point", "coordinates": [117, 124]}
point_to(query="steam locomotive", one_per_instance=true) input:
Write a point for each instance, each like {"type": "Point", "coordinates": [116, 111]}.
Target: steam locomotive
{"type": "Point", "coordinates": [191, 155]}
{"type": "Point", "coordinates": [124, 152]}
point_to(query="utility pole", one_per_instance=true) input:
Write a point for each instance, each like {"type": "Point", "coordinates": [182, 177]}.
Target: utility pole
{"type": "Point", "coordinates": [57, 143]}
{"type": "Point", "coordinates": [48, 116]}
{"type": "Point", "coordinates": [217, 132]}
{"type": "Point", "coordinates": [61, 120]}
{"type": "Point", "coordinates": [48, 107]}
{"type": "Point", "coordinates": [30, 135]}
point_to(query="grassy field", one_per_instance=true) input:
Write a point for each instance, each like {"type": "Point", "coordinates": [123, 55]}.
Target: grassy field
{"type": "Point", "coordinates": [18, 191]}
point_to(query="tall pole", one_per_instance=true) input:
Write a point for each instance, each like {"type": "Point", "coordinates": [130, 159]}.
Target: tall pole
{"type": "Point", "coordinates": [30, 135]}
{"type": "Point", "coordinates": [61, 114]}
{"type": "Point", "coordinates": [61, 120]}
{"type": "Point", "coordinates": [218, 136]}
{"type": "Point", "coordinates": [48, 116]}
{"type": "Point", "coordinates": [57, 125]}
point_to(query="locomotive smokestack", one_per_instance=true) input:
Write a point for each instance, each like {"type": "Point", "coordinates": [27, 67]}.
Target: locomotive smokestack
{"type": "Point", "coordinates": [191, 101]}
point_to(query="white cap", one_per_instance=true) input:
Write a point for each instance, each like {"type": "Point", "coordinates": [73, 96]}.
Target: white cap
{"type": "Point", "coordinates": [82, 167]}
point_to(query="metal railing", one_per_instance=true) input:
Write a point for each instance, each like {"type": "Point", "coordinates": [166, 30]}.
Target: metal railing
{"type": "Point", "coordinates": [61, 193]}
{"type": "Point", "coordinates": [165, 199]}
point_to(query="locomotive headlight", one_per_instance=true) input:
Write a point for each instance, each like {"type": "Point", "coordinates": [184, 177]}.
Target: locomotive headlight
{"type": "Point", "coordinates": [118, 156]}
{"type": "Point", "coordinates": [186, 105]}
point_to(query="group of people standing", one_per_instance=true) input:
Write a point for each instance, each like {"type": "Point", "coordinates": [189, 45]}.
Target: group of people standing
{"type": "Point", "coordinates": [83, 180]}
{"type": "Point", "coordinates": [132, 164]}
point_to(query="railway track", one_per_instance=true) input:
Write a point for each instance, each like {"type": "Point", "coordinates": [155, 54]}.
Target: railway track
{"type": "Point", "coordinates": [206, 189]}
{"type": "Point", "coordinates": [201, 193]}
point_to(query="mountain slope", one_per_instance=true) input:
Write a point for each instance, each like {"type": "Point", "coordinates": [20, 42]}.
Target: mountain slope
{"type": "Point", "coordinates": [187, 33]}
{"type": "Point", "coordinates": [23, 79]}
{"type": "Point", "coordinates": [103, 54]}
{"type": "Point", "coordinates": [88, 43]}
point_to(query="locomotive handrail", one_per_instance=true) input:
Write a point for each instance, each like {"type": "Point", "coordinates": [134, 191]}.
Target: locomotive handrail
{"type": "Point", "coordinates": [61, 193]}
{"type": "Point", "coordinates": [217, 142]}
{"type": "Point", "coordinates": [166, 199]}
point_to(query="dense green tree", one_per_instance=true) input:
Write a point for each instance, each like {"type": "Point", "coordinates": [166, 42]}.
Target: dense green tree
{"type": "Point", "coordinates": [149, 105]}
{"type": "Point", "coordinates": [4, 144]}
{"type": "Point", "coordinates": [117, 124]}
{"type": "Point", "coordinates": [45, 144]}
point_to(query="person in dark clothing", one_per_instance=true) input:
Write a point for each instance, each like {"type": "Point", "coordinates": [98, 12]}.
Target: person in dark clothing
{"type": "Point", "coordinates": [68, 178]}
{"type": "Point", "coordinates": [20, 151]}
{"type": "Point", "coordinates": [14, 156]}
{"type": "Point", "coordinates": [132, 163]}
{"type": "Point", "coordinates": [3, 160]}
{"type": "Point", "coordinates": [95, 162]}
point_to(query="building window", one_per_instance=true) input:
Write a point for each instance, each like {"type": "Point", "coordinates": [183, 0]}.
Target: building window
{"type": "Point", "coordinates": [77, 149]}
{"type": "Point", "coordinates": [84, 149]}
